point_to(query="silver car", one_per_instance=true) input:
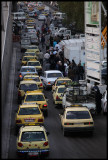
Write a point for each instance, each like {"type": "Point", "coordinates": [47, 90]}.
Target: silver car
{"type": "Point", "coordinates": [27, 70]}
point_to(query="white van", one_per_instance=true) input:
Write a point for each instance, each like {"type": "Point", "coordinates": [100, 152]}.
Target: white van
{"type": "Point", "coordinates": [59, 15]}
{"type": "Point", "coordinates": [19, 16]}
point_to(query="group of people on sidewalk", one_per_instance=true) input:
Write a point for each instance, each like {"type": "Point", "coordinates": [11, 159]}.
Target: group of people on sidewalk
{"type": "Point", "coordinates": [54, 58]}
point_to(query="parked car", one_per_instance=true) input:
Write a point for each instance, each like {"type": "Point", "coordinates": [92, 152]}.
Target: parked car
{"type": "Point", "coordinates": [35, 78]}
{"type": "Point", "coordinates": [49, 77]}
{"type": "Point", "coordinates": [32, 141]}
{"type": "Point", "coordinates": [26, 70]}
{"type": "Point", "coordinates": [24, 86]}
{"type": "Point", "coordinates": [39, 98]}
{"type": "Point", "coordinates": [76, 119]}
{"type": "Point", "coordinates": [29, 113]}
{"type": "Point", "coordinates": [58, 94]}
{"type": "Point", "coordinates": [41, 17]}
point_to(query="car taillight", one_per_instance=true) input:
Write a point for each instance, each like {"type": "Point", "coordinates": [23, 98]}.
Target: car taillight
{"type": "Point", "coordinates": [49, 83]}
{"type": "Point", "coordinates": [45, 105]}
{"type": "Point", "coordinates": [86, 123]}
{"type": "Point", "coordinates": [41, 84]}
{"type": "Point", "coordinates": [20, 75]}
{"type": "Point", "coordinates": [40, 120]}
{"type": "Point", "coordinates": [18, 121]}
{"type": "Point", "coordinates": [20, 144]}
{"type": "Point", "coordinates": [45, 144]}
{"type": "Point", "coordinates": [19, 93]}
{"type": "Point", "coordinates": [57, 97]}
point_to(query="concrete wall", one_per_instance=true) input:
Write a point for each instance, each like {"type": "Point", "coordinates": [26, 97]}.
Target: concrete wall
{"type": "Point", "coordinates": [6, 54]}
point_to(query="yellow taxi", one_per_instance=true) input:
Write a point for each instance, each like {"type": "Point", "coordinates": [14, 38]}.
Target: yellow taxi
{"type": "Point", "coordinates": [37, 97]}
{"type": "Point", "coordinates": [29, 114]}
{"type": "Point", "coordinates": [33, 48]}
{"type": "Point", "coordinates": [58, 94]}
{"type": "Point", "coordinates": [35, 78]}
{"type": "Point", "coordinates": [35, 64]}
{"type": "Point", "coordinates": [32, 141]}
{"type": "Point", "coordinates": [30, 20]}
{"type": "Point", "coordinates": [76, 119]}
{"type": "Point", "coordinates": [26, 85]}
{"type": "Point", "coordinates": [61, 81]}
{"type": "Point", "coordinates": [45, 13]}
{"type": "Point", "coordinates": [27, 58]}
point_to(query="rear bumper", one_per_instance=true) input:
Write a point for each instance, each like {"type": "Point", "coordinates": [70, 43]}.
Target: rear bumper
{"type": "Point", "coordinates": [78, 129]}
{"type": "Point", "coordinates": [28, 152]}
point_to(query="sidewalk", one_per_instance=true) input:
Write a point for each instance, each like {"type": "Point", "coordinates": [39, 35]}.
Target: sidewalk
{"type": "Point", "coordinates": [6, 118]}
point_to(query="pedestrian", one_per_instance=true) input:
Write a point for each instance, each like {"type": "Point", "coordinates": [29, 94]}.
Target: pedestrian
{"type": "Point", "coordinates": [80, 71]}
{"type": "Point", "coordinates": [47, 44]}
{"type": "Point", "coordinates": [70, 73]}
{"type": "Point", "coordinates": [52, 61]}
{"type": "Point", "coordinates": [98, 97]}
{"type": "Point", "coordinates": [43, 40]}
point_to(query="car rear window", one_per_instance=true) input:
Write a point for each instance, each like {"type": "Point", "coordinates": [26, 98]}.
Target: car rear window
{"type": "Point", "coordinates": [33, 136]}
{"type": "Point", "coordinates": [28, 87]}
{"type": "Point", "coordinates": [35, 98]}
{"type": "Point", "coordinates": [28, 58]}
{"type": "Point", "coordinates": [77, 115]}
{"type": "Point", "coordinates": [27, 69]}
{"type": "Point", "coordinates": [33, 63]}
{"type": "Point", "coordinates": [52, 75]}
{"type": "Point", "coordinates": [29, 111]}
{"type": "Point", "coordinates": [30, 54]}
{"type": "Point", "coordinates": [61, 90]}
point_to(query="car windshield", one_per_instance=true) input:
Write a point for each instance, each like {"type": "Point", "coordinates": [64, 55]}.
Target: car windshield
{"type": "Point", "coordinates": [77, 115]}
{"type": "Point", "coordinates": [29, 111]}
{"type": "Point", "coordinates": [33, 136]}
{"type": "Point", "coordinates": [62, 82]}
{"type": "Point", "coordinates": [61, 90]}
{"type": "Point", "coordinates": [53, 75]}
{"type": "Point", "coordinates": [28, 87]}
{"type": "Point", "coordinates": [33, 64]}
{"type": "Point", "coordinates": [27, 69]}
{"type": "Point", "coordinates": [35, 98]}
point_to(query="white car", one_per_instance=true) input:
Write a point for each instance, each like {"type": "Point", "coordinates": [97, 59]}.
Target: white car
{"type": "Point", "coordinates": [104, 102]}
{"type": "Point", "coordinates": [41, 17]}
{"type": "Point", "coordinates": [49, 77]}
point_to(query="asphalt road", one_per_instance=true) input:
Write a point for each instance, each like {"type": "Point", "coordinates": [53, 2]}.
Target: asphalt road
{"type": "Point", "coordinates": [77, 145]}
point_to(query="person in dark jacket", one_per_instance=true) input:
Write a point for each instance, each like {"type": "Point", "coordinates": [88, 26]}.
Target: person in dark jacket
{"type": "Point", "coordinates": [98, 97]}
{"type": "Point", "coordinates": [42, 40]}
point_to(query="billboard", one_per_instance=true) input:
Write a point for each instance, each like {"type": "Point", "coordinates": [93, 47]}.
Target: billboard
{"type": "Point", "coordinates": [92, 12]}
{"type": "Point", "coordinates": [93, 40]}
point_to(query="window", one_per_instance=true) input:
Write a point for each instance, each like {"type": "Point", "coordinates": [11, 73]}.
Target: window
{"type": "Point", "coordinates": [34, 98]}
{"type": "Point", "coordinates": [61, 90]}
{"type": "Point", "coordinates": [27, 69]}
{"type": "Point", "coordinates": [29, 111]}
{"type": "Point", "coordinates": [77, 115]}
{"type": "Point", "coordinates": [28, 87]}
{"type": "Point", "coordinates": [33, 136]}
{"type": "Point", "coordinates": [52, 75]}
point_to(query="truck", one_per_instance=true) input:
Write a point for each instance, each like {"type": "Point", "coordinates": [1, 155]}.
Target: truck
{"type": "Point", "coordinates": [77, 95]}
{"type": "Point", "coordinates": [62, 32]}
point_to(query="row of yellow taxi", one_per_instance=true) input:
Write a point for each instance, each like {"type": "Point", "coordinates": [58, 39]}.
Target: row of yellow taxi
{"type": "Point", "coordinates": [32, 137]}
{"type": "Point", "coordinates": [75, 117]}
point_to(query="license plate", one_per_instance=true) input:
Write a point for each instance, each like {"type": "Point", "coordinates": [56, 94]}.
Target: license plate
{"type": "Point", "coordinates": [33, 153]}
{"type": "Point", "coordinates": [79, 123]}
{"type": "Point", "coordinates": [29, 120]}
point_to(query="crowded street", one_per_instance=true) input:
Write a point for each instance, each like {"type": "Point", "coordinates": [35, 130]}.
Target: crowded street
{"type": "Point", "coordinates": [50, 91]}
